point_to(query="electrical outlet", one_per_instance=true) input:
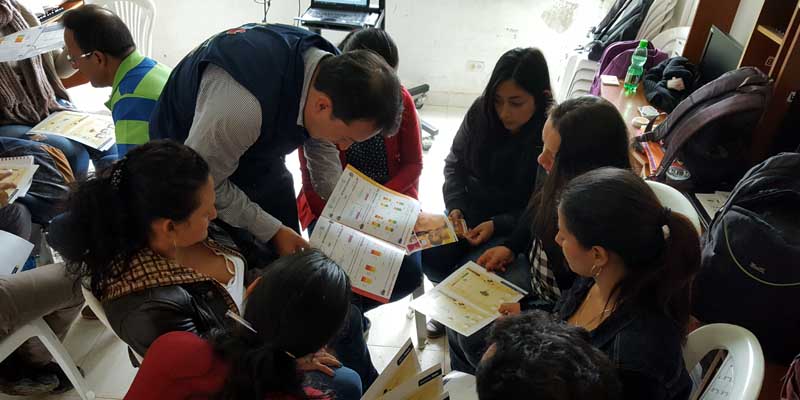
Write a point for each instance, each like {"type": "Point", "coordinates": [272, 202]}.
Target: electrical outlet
{"type": "Point", "coordinates": [475, 65]}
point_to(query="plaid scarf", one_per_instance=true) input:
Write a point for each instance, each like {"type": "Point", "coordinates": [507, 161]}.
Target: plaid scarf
{"type": "Point", "coordinates": [29, 96]}
{"type": "Point", "coordinates": [149, 269]}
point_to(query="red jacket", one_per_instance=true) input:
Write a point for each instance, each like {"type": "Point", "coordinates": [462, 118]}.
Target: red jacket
{"type": "Point", "coordinates": [404, 160]}
{"type": "Point", "coordinates": [183, 366]}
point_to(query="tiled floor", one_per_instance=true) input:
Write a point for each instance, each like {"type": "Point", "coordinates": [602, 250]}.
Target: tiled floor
{"type": "Point", "coordinates": [104, 358]}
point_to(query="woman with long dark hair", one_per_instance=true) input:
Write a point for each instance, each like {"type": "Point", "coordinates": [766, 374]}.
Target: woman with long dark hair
{"type": "Point", "coordinates": [139, 241]}
{"type": "Point", "coordinates": [635, 260]}
{"type": "Point", "coordinates": [490, 172]}
{"type": "Point", "coordinates": [580, 135]}
{"type": "Point", "coordinates": [296, 308]}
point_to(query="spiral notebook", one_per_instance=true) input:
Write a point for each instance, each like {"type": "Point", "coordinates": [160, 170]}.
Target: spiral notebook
{"type": "Point", "coordinates": [22, 170]}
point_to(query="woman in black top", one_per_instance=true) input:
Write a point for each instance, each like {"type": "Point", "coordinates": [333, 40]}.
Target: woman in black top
{"type": "Point", "coordinates": [635, 260]}
{"type": "Point", "coordinates": [580, 135]}
{"type": "Point", "coordinates": [491, 170]}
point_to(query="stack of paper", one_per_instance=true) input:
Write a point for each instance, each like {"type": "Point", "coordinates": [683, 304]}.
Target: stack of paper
{"type": "Point", "coordinates": [14, 251]}
{"type": "Point", "coordinates": [22, 170]}
{"type": "Point", "coordinates": [712, 202]}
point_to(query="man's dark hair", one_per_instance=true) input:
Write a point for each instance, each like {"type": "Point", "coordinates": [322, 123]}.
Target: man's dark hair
{"type": "Point", "coordinates": [98, 29]}
{"type": "Point", "coordinates": [362, 87]}
{"type": "Point", "coordinates": [539, 358]}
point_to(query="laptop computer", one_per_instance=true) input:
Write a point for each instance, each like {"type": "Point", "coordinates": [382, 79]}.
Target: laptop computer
{"type": "Point", "coordinates": [344, 13]}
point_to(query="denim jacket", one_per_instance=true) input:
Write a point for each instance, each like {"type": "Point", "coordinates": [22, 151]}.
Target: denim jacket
{"type": "Point", "coordinates": [645, 345]}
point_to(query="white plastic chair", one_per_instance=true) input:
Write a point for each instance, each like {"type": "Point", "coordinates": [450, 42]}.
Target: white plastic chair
{"type": "Point", "coordinates": [138, 15]}
{"type": "Point", "coordinates": [676, 201]}
{"type": "Point", "coordinates": [39, 329]}
{"type": "Point", "coordinates": [576, 69]}
{"type": "Point", "coordinates": [100, 313]}
{"type": "Point", "coordinates": [672, 40]}
{"type": "Point", "coordinates": [658, 16]}
{"type": "Point", "coordinates": [744, 354]}
{"type": "Point", "coordinates": [460, 386]}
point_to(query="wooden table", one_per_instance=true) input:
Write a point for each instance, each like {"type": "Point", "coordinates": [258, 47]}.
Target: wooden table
{"type": "Point", "coordinates": [628, 107]}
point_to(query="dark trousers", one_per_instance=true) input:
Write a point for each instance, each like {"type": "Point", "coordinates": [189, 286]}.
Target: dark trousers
{"type": "Point", "coordinates": [351, 348]}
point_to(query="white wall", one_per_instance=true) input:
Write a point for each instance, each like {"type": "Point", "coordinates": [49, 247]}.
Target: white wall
{"type": "Point", "coordinates": [438, 39]}
{"type": "Point", "coordinates": [745, 20]}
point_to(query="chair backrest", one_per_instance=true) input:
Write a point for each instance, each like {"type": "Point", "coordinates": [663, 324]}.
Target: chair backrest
{"type": "Point", "coordinates": [658, 16]}
{"type": "Point", "coordinates": [139, 16]}
{"type": "Point", "coordinates": [672, 40]}
{"type": "Point", "coordinates": [676, 201]}
{"type": "Point", "coordinates": [97, 308]}
{"type": "Point", "coordinates": [460, 386]}
{"type": "Point", "coordinates": [743, 349]}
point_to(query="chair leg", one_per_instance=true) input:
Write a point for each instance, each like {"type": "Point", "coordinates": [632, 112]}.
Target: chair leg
{"type": "Point", "coordinates": [419, 319]}
{"type": "Point", "coordinates": [62, 357]}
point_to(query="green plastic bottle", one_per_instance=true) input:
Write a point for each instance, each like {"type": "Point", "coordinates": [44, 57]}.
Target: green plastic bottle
{"type": "Point", "coordinates": [636, 70]}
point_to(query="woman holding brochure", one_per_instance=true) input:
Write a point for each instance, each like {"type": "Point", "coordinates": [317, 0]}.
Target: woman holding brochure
{"type": "Point", "coordinates": [31, 89]}
{"type": "Point", "coordinates": [580, 135]}
{"type": "Point", "coordinates": [140, 242]}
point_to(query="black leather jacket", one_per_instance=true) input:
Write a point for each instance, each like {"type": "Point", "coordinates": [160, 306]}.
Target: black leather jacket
{"type": "Point", "coordinates": [644, 345]}
{"type": "Point", "coordinates": [141, 317]}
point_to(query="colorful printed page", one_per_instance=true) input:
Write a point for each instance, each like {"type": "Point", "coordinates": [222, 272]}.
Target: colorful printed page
{"type": "Point", "coordinates": [364, 205]}
{"type": "Point", "coordinates": [22, 170]}
{"type": "Point", "coordinates": [403, 367]}
{"type": "Point", "coordinates": [14, 251]}
{"type": "Point", "coordinates": [468, 299]}
{"type": "Point", "coordinates": [371, 264]}
{"type": "Point", "coordinates": [31, 42]}
{"type": "Point", "coordinates": [93, 130]}
{"type": "Point", "coordinates": [432, 230]}
{"type": "Point", "coordinates": [425, 385]}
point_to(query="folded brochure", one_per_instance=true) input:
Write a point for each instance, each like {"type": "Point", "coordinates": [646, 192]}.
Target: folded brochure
{"type": "Point", "coordinates": [404, 379]}
{"type": "Point", "coordinates": [468, 299]}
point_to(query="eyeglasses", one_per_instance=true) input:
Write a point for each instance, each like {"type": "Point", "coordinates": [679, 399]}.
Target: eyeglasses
{"type": "Point", "coordinates": [73, 62]}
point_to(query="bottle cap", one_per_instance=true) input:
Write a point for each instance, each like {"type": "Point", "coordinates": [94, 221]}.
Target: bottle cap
{"type": "Point", "coordinates": [643, 43]}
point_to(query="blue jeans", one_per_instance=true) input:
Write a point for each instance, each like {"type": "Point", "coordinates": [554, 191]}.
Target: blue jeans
{"type": "Point", "coordinates": [77, 154]}
{"type": "Point", "coordinates": [351, 349]}
{"type": "Point", "coordinates": [345, 383]}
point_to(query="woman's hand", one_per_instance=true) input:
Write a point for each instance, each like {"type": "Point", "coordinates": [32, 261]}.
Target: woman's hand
{"type": "Point", "coordinates": [480, 233]}
{"type": "Point", "coordinates": [321, 361]}
{"type": "Point", "coordinates": [496, 258]}
{"type": "Point", "coordinates": [510, 308]}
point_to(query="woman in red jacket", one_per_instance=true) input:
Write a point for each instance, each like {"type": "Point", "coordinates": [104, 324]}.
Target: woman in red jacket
{"type": "Point", "coordinates": [395, 161]}
{"type": "Point", "coordinates": [295, 309]}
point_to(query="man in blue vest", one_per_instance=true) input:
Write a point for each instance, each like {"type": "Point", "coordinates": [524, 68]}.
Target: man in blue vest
{"type": "Point", "coordinates": [247, 97]}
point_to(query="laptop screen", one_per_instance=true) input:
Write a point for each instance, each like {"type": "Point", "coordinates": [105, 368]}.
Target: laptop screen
{"type": "Point", "coordinates": [341, 3]}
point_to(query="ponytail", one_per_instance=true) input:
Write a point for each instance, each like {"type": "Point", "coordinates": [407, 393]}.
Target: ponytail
{"type": "Point", "coordinates": [660, 249]}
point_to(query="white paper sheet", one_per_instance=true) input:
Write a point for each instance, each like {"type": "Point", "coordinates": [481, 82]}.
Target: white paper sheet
{"type": "Point", "coordinates": [14, 251]}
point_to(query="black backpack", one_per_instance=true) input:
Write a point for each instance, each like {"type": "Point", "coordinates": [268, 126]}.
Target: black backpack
{"type": "Point", "coordinates": [711, 130]}
{"type": "Point", "coordinates": [622, 22]}
{"type": "Point", "coordinates": [750, 274]}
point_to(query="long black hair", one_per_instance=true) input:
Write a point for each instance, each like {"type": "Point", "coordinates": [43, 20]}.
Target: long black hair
{"type": "Point", "coordinates": [593, 135]}
{"type": "Point", "coordinates": [109, 216]}
{"type": "Point", "coordinates": [526, 67]}
{"type": "Point", "coordinates": [617, 210]}
{"type": "Point", "coordinates": [297, 306]}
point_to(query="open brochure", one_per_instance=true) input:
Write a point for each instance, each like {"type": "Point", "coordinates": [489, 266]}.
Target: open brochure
{"type": "Point", "coordinates": [468, 299]}
{"type": "Point", "coordinates": [93, 130]}
{"type": "Point", "coordinates": [404, 379]}
{"type": "Point", "coordinates": [31, 42]}
{"type": "Point", "coordinates": [22, 170]}
{"type": "Point", "coordinates": [367, 229]}
{"type": "Point", "coordinates": [14, 251]}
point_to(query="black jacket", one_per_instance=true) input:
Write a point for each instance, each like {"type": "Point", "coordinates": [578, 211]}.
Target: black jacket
{"type": "Point", "coordinates": [645, 345]}
{"type": "Point", "coordinates": [490, 173]}
{"type": "Point", "coordinates": [141, 317]}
